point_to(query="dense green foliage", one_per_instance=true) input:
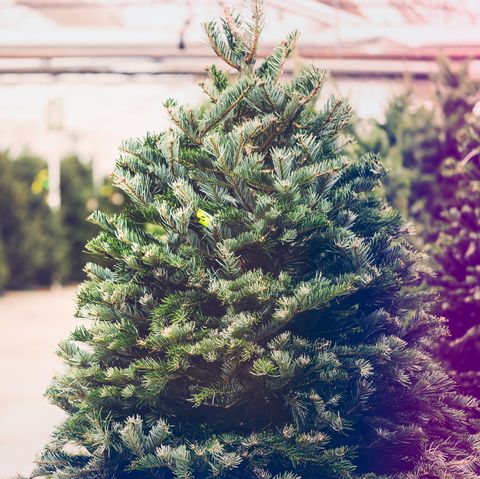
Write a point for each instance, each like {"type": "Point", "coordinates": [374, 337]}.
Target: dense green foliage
{"type": "Point", "coordinates": [457, 258]}
{"type": "Point", "coordinates": [254, 320]}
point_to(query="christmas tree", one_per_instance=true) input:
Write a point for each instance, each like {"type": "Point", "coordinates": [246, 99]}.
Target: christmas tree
{"type": "Point", "coordinates": [77, 189]}
{"type": "Point", "coordinates": [392, 140]}
{"type": "Point", "coordinates": [457, 256]}
{"type": "Point", "coordinates": [253, 321]}
{"type": "Point", "coordinates": [416, 138]}
{"type": "Point", "coordinates": [432, 191]}
{"type": "Point", "coordinates": [79, 197]}
{"type": "Point", "coordinates": [31, 249]}
{"type": "Point", "coordinates": [411, 144]}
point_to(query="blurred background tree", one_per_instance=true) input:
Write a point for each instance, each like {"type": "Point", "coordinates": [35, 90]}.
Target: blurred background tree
{"type": "Point", "coordinates": [415, 138]}
{"type": "Point", "coordinates": [457, 260]}
{"type": "Point", "coordinates": [407, 141]}
{"type": "Point", "coordinates": [33, 250]}
{"type": "Point", "coordinates": [4, 271]}
{"type": "Point", "coordinates": [432, 151]}
{"type": "Point", "coordinates": [78, 200]}
{"type": "Point", "coordinates": [388, 138]}
{"type": "Point", "coordinates": [40, 246]}
{"type": "Point", "coordinates": [433, 187]}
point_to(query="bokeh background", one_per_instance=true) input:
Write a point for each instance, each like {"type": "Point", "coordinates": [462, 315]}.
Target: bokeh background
{"type": "Point", "coordinates": [77, 77]}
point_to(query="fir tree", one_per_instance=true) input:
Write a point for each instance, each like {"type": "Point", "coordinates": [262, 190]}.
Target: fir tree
{"type": "Point", "coordinates": [409, 140]}
{"type": "Point", "coordinates": [391, 139]}
{"type": "Point", "coordinates": [457, 257]}
{"type": "Point", "coordinates": [79, 197]}
{"type": "Point", "coordinates": [76, 186]}
{"type": "Point", "coordinates": [30, 232]}
{"type": "Point", "coordinates": [416, 138]}
{"type": "Point", "coordinates": [432, 191]}
{"type": "Point", "coordinates": [253, 321]}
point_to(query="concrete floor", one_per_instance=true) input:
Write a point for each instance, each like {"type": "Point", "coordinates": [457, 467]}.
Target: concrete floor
{"type": "Point", "coordinates": [32, 323]}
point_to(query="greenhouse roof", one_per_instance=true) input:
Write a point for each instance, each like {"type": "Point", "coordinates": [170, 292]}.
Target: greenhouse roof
{"type": "Point", "coordinates": [34, 34]}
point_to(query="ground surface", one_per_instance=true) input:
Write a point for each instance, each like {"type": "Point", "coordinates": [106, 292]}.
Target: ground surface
{"type": "Point", "coordinates": [32, 323]}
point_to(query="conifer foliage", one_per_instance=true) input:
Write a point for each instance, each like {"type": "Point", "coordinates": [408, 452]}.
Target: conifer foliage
{"type": "Point", "coordinates": [253, 322]}
{"type": "Point", "coordinates": [418, 141]}
{"type": "Point", "coordinates": [435, 142]}
{"type": "Point", "coordinates": [457, 257]}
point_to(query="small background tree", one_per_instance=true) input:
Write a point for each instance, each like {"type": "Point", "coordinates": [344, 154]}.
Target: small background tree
{"type": "Point", "coordinates": [29, 231]}
{"type": "Point", "coordinates": [415, 140]}
{"type": "Point", "coordinates": [38, 245]}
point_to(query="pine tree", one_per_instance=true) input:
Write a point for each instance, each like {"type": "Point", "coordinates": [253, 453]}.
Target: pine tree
{"type": "Point", "coordinates": [79, 197]}
{"type": "Point", "coordinates": [76, 187]}
{"type": "Point", "coordinates": [457, 257]}
{"type": "Point", "coordinates": [4, 268]}
{"type": "Point", "coordinates": [253, 321]}
{"type": "Point", "coordinates": [10, 214]}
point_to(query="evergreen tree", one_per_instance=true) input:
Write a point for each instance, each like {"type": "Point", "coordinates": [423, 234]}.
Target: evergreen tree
{"type": "Point", "coordinates": [76, 187]}
{"type": "Point", "coordinates": [416, 138]}
{"type": "Point", "coordinates": [413, 136]}
{"type": "Point", "coordinates": [433, 191]}
{"type": "Point", "coordinates": [79, 197]}
{"type": "Point", "coordinates": [457, 257]}
{"type": "Point", "coordinates": [389, 138]}
{"type": "Point", "coordinates": [44, 250]}
{"type": "Point", "coordinates": [253, 321]}
{"type": "Point", "coordinates": [29, 231]}
{"type": "Point", "coordinates": [408, 142]}
{"type": "Point", "coordinates": [9, 215]}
